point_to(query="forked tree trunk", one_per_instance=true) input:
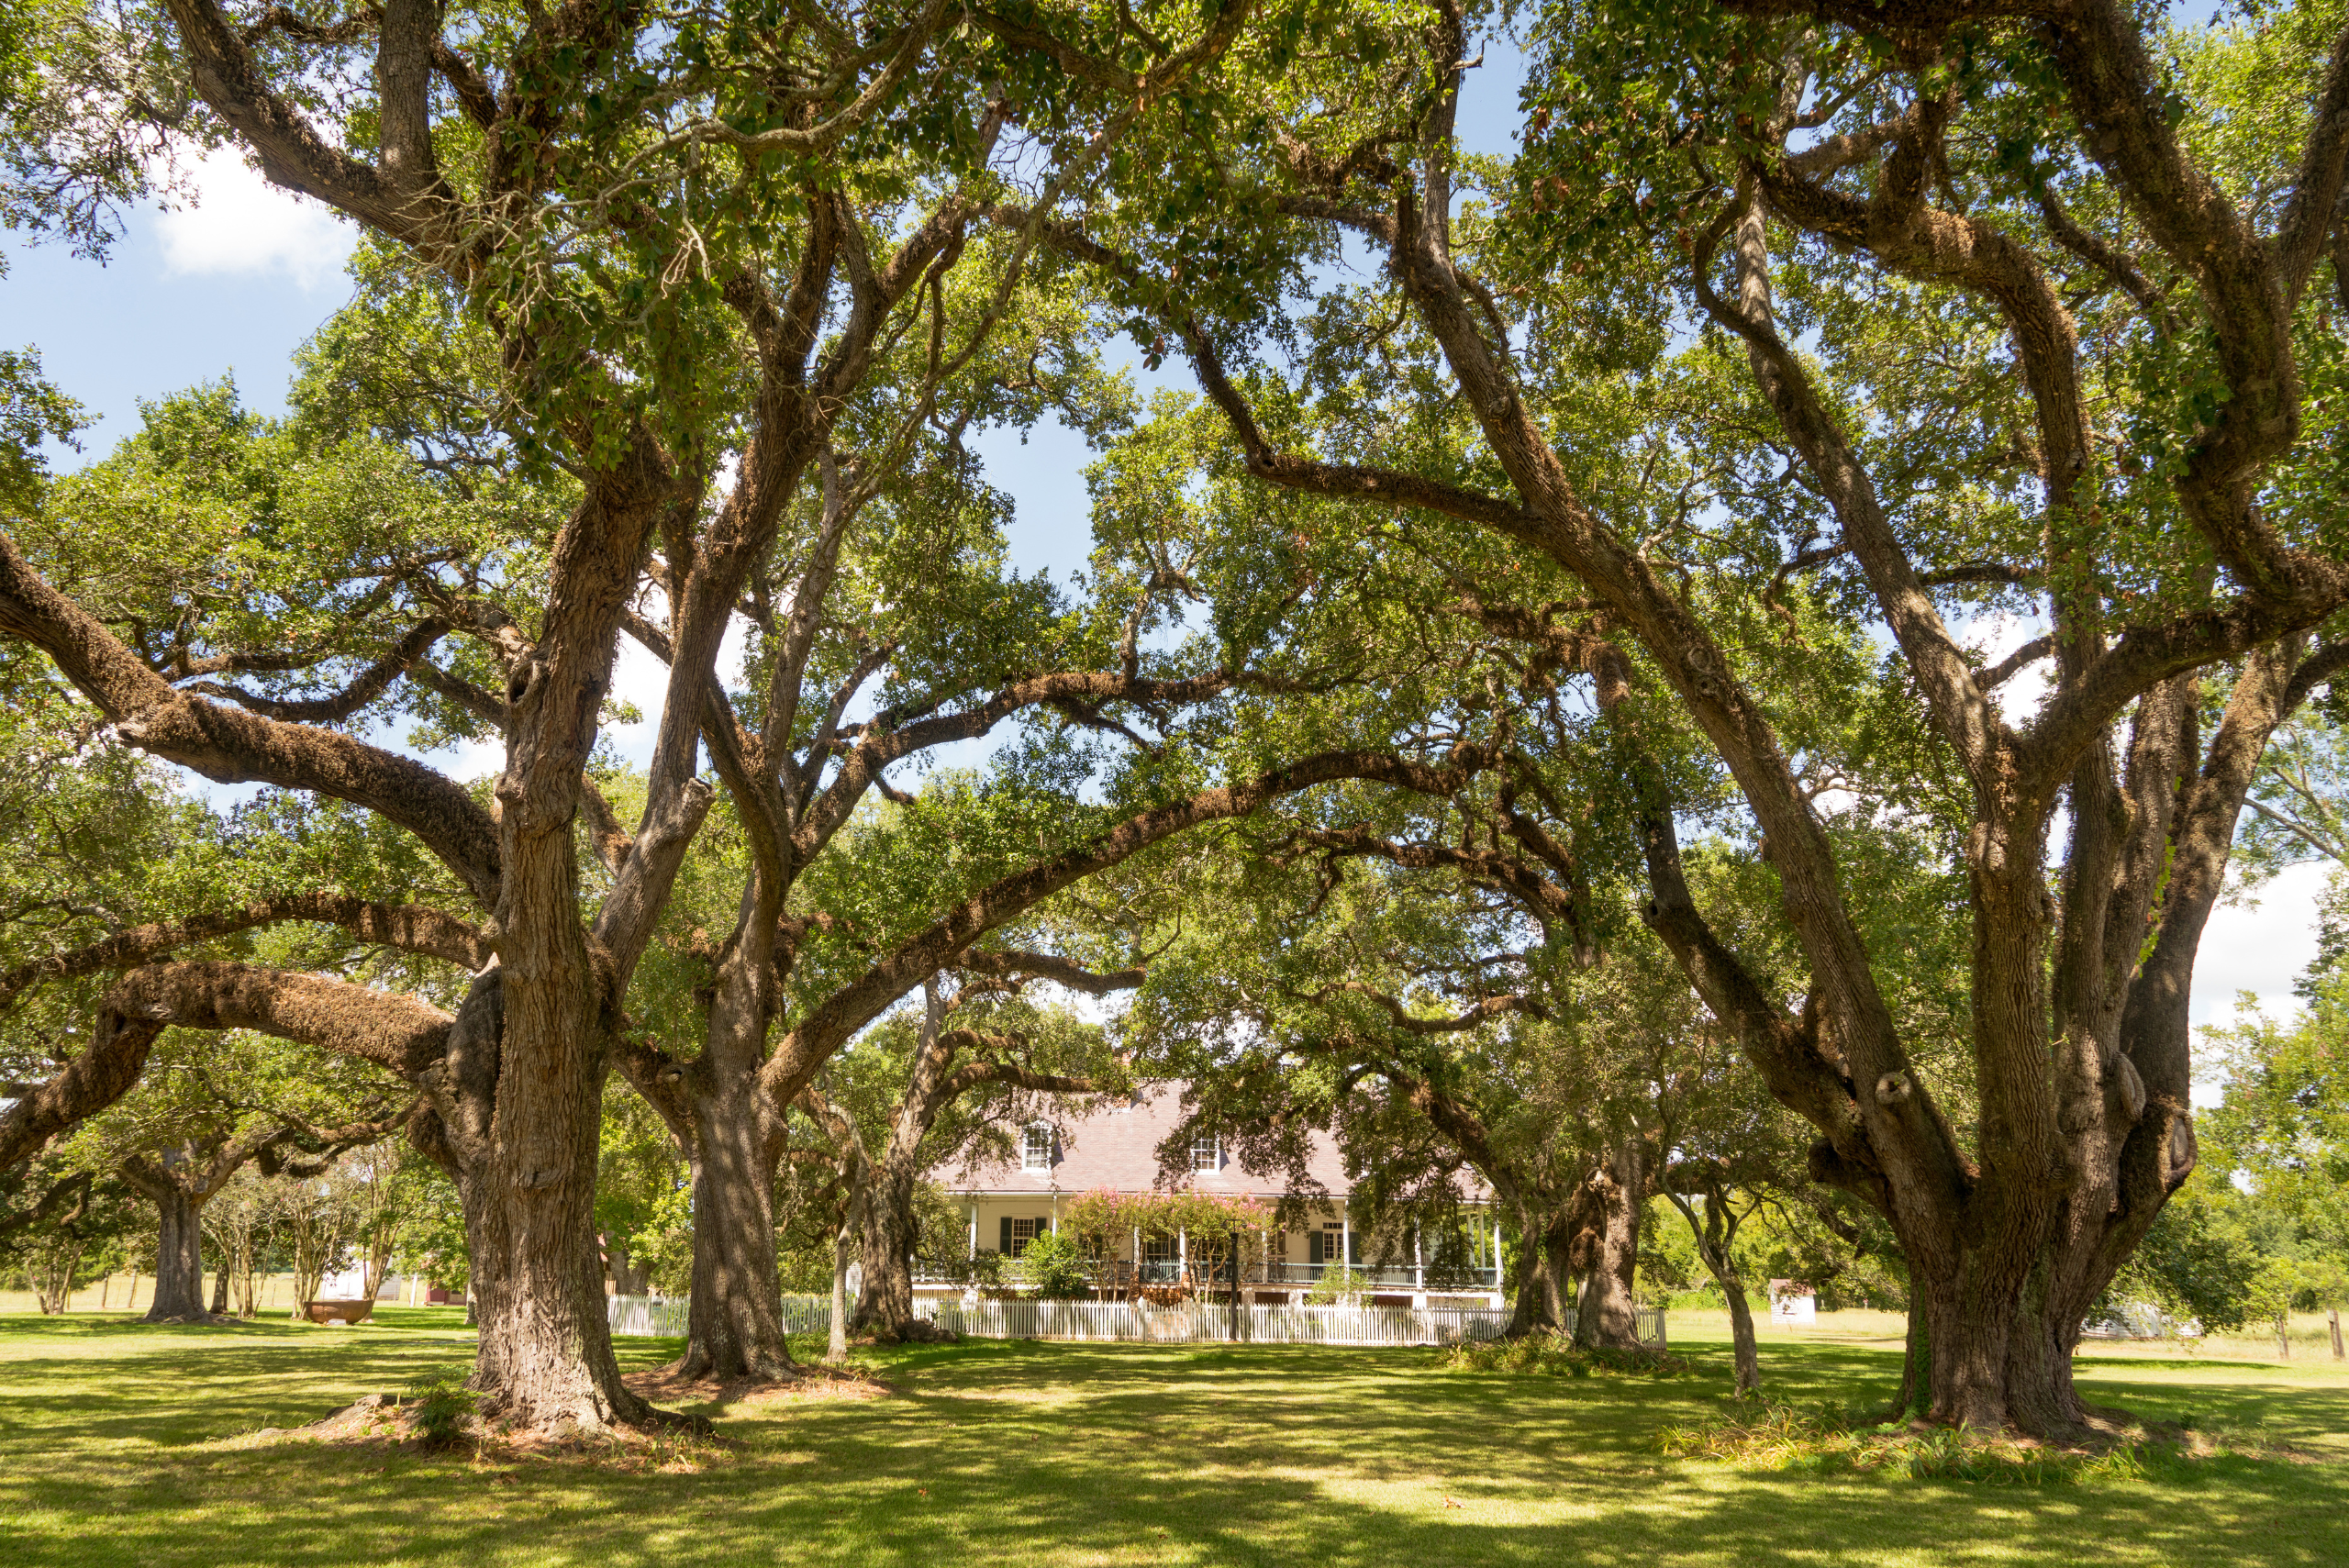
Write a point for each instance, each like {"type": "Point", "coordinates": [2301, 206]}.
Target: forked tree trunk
{"type": "Point", "coordinates": [1545, 1281]}
{"type": "Point", "coordinates": [53, 1286]}
{"type": "Point", "coordinates": [629, 1276]}
{"type": "Point", "coordinates": [1716, 1233]}
{"type": "Point", "coordinates": [179, 1260]}
{"type": "Point", "coordinates": [220, 1290]}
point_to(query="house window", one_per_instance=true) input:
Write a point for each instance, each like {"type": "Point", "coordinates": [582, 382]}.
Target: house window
{"type": "Point", "coordinates": [1026, 1230]}
{"type": "Point", "coordinates": [1206, 1151]}
{"type": "Point", "coordinates": [1036, 1148]}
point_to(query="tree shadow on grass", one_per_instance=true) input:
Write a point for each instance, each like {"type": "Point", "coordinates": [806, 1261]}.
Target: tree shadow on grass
{"type": "Point", "coordinates": [1019, 1453]}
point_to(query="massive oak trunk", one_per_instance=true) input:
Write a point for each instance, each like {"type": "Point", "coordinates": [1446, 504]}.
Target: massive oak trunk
{"type": "Point", "coordinates": [885, 1226]}
{"type": "Point", "coordinates": [1606, 1248]}
{"type": "Point", "coordinates": [179, 1260]}
{"type": "Point", "coordinates": [537, 1291]}
{"type": "Point", "coordinates": [734, 1320]}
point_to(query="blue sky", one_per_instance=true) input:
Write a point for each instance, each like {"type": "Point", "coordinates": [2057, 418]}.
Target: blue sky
{"type": "Point", "coordinates": [236, 283]}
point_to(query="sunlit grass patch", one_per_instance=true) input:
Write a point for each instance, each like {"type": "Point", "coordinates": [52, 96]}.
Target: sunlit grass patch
{"type": "Point", "coordinates": [1828, 1441]}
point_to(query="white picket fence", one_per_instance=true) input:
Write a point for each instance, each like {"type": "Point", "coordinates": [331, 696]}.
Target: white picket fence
{"type": "Point", "coordinates": [1190, 1323]}
{"type": "Point", "coordinates": [663, 1317]}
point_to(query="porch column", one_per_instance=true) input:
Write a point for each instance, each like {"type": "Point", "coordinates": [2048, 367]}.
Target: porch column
{"type": "Point", "coordinates": [1346, 1237]}
{"type": "Point", "coordinates": [974, 1234]}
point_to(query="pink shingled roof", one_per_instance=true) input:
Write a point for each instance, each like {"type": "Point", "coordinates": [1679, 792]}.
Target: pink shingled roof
{"type": "Point", "coordinates": [1116, 1145]}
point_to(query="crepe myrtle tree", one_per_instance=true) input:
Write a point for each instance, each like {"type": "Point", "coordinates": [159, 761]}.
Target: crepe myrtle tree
{"type": "Point", "coordinates": [685, 240]}
{"type": "Point", "coordinates": [2054, 263]}
{"type": "Point", "coordinates": [920, 1093]}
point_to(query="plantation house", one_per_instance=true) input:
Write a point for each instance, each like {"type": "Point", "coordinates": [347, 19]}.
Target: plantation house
{"type": "Point", "coordinates": [1008, 1204]}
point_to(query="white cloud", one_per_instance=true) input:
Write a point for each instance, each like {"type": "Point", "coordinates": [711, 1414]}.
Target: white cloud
{"type": "Point", "coordinates": [2261, 949]}
{"type": "Point", "coordinates": [239, 224]}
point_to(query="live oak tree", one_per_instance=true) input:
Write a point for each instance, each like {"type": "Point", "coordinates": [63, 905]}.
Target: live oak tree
{"type": "Point", "coordinates": [683, 240]}
{"type": "Point", "coordinates": [2032, 315]}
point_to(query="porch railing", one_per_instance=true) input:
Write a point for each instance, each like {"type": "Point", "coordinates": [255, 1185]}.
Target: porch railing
{"type": "Point", "coordinates": [1139, 1322]}
{"type": "Point", "coordinates": [1166, 1271]}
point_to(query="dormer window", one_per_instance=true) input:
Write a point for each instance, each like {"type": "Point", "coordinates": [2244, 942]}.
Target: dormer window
{"type": "Point", "coordinates": [1036, 1148]}
{"type": "Point", "coordinates": [1206, 1151]}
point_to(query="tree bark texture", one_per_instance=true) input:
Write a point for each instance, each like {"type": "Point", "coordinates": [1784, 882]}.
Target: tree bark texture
{"type": "Point", "coordinates": [1544, 1299]}
{"type": "Point", "coordinates": [1741, 1331]}
{"type": "Point", "coordinates": [1607, 1247]}
{"type": "Point", "coordinates": [884, 1295]}
{"type": "Point", "coordinates": [734, 1321]}
{"type": "Point", "coordinates": [179, 1260]}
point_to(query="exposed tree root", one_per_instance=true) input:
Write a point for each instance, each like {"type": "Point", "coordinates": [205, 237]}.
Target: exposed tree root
{"type": "Point", "coordinates": [672, 1442]}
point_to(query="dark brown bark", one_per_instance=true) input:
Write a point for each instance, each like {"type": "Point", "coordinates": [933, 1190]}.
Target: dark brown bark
{"type": "Point", "coordinates": [1740, 1332]}
{"type": "Point", "coordinates": [884, 1247]}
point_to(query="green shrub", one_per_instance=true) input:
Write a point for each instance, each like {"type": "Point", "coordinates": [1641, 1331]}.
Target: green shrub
{"type": "Point", "coordinates": [438, 1411]}
{"type": "Point", "coordinates": [1337, 1283]}
{"type": "Point", "coordinates": [1052, 1267]}
{"type": "Point", "coordinates": [1557, 1355]}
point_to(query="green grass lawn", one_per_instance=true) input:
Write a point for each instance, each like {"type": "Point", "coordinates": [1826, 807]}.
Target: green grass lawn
{"type": "Point", "coordinates": [112, 1451]}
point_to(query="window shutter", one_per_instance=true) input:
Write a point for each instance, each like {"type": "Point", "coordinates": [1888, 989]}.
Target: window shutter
{"type": "Point", "coordinates": [1313, 1247]}
{"type": "Point", "coordinates": [1005, 1248]}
